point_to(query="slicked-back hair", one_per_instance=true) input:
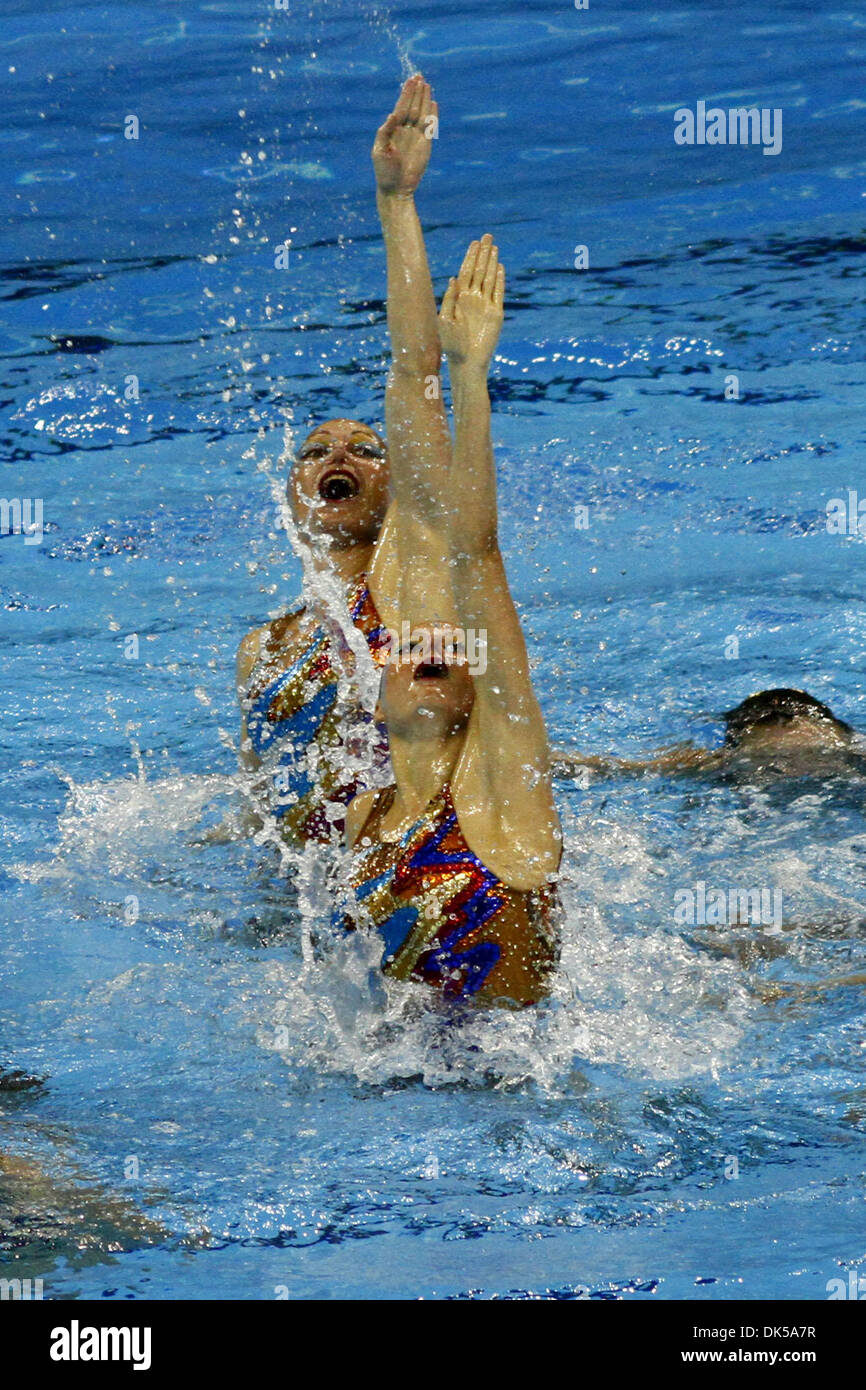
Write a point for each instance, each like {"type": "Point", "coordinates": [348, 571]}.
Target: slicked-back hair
{"type": "Point", "coordinates": [779, 706]}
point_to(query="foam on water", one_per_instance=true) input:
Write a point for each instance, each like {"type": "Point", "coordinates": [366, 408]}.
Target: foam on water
{"type": "Point", "coordinates": [640, 999]}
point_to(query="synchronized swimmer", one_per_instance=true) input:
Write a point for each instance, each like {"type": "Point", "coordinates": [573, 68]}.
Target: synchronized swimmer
{"type": "Point", "coordinates": [295, 727]}
{"type": "Point", "coordinates": [441, 789]}
{"type": "Point", "coordinates": [454, 863]}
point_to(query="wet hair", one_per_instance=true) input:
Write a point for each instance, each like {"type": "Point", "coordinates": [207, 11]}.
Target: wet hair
{"type": "Point", "coordinates": [778, 707]}
{"type": "Point", "coordinates": [18, 1080]}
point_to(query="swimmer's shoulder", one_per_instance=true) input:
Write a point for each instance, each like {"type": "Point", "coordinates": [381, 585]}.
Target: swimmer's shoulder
{"type": "Point", "coordinates": [266, 640]}
{"type": "Point", "coordinates": [251, 648]}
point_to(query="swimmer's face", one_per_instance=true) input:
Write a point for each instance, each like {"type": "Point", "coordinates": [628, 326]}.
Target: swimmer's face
{"type": "Point", "coordinates": [794, 744]}
{"type": "Point", "coordinates": [338, 486]}
{"type": "Point", "coordinates": [427, 687]}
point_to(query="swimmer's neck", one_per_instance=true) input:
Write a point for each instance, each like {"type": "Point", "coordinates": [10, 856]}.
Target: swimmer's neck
{"type": "Point", "coordinates": [419, 778]}
{"type": "Point", "coordinates": [348, 562]}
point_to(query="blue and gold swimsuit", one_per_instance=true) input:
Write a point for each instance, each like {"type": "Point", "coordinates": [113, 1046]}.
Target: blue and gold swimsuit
{"type": "Point", "coordinates": [319, 749]}
{"type": "Point", "coordinates": [445, 919]}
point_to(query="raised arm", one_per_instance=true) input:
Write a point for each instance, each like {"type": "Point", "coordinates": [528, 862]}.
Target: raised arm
{"type": "Point", "coordinates": [401, 153]}
{"type": "Point", "coordinates": [502, 787]}
{"type": "Point", "coordinates": [419, 442]}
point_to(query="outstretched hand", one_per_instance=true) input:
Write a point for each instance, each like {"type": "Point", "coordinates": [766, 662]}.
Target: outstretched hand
{"type": "Point", "coordinates": [470, 319]}
{"type": "Point", "coordinates": [401, 150]}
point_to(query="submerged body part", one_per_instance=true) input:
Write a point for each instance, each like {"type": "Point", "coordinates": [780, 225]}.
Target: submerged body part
{"type": "Point", "coordinates": [775, 733]}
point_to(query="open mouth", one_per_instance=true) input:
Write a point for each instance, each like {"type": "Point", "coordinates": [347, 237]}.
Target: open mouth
{"type": "Point", "coordinates": [338, 485]}
{"type": "Point", "coordinates": [430, 671]}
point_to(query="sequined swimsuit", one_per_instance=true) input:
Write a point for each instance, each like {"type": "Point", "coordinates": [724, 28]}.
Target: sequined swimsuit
{"type": "Point", "coordinates": [445, 919]}
{"type": "Point", "coordinates": [318, 755]}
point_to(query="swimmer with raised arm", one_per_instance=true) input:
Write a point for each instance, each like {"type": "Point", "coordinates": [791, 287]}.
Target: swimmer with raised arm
{"type": "Point", "coordinates": [455, 863]}
{"type": "Point", "coordinates": [303, 725]}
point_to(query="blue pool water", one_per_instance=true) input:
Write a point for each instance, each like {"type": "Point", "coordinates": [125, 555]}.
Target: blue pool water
{"type": "Point", "coordinates": [686, 1117]}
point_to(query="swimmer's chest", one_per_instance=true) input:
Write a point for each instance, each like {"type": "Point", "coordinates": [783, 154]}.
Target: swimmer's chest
{"type": "Point", "coordinates": [431, 866]}
{"type": "Point", "coordinates": [303, 652]}
{"type": "Point", "coordinates": [444, 918]}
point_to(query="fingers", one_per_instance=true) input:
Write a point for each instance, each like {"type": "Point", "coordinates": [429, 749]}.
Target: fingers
{"type": "Point", "coordinates": [481, 261]}
{"type": "Point", "coordinates": [499, 287]}
{"type": "Point", "coordinates": [467, 269]}
{"type": "Point", "coordinates": [488, 283]}
{"type": "Point", "coordinates": [401, 111]}
{"type": "Point", "coordinates": [480, 270]}
{"type": "Point", "coordinates": [449, 300]}
{"type": "Point", "coordinates": [420, 94]}
{"type": "Point", "coordinates": [414, 104]}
